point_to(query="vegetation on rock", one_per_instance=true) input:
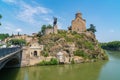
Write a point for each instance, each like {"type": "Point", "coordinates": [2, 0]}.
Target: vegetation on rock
{"type": "Point", "coordinates": [72, 43]}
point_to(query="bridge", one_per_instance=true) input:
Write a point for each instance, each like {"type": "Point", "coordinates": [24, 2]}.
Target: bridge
{"type": "Point", "coordinates": [10, 57]}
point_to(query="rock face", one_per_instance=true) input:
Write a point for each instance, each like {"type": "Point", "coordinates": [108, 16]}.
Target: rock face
{"type": "Point", "coordinates": [84, 45]}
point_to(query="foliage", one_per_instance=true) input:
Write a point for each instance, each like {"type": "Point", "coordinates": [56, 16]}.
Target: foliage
{"type": "Point", "coordinates": [39, 34]}
{"type": "Point", "coordinates": [92, 28]}
{"type": "Point", "coordinates": [66, 41]}
{"type": "Point", "coordinates": [45, 53]}
{"type": "Point", "coordinates": [62, 32]}
{"type": "Point", "coordinates": [43, 29]}
{"type": "Point", "coordinates": [89, 45]}
{"type": "Point", "coordinates": [3, 36]}
{"type": "Point", "coordinates": [53, 61]}
{"type": "Point", "coordinates": [80, 53]}
{"type": "Point", "coordinates": [114, 45]}
{"type": "Point", "coordinates": [49, 26]}
{"type": "Point", "coordinates": [17, 42]}
{"type": "Point", "coordinates": [74, 32]}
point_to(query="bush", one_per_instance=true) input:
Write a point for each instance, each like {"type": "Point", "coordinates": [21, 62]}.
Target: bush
{"type": "Point", "coordinates": [45, 53]}
{"type": "Point", "coordinates": [74, 32]}
{"type": "Point", "coordinates": [53, 61]}
{"type": "Point", "coordinates": [80, 53]}
{"type": "Point", "coordinates": [89, 45]}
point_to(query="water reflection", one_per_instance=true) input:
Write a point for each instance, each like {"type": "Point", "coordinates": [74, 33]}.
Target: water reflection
{"type": "Point", "coordinates": [111, 71]}
{"type": "Point", "coordinates": [9, 74]}
{"type": "Point", "coordinates": [87, 71]}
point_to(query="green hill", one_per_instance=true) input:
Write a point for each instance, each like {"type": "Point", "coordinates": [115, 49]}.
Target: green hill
{"type": "Point", "coordinates": [84, 45]}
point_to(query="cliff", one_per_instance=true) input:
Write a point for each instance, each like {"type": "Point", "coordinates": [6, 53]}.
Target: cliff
{"type": "Point", "coordinates": [83, 46]}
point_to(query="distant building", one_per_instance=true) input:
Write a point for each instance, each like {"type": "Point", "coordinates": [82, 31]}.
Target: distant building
{"type": "Point", "coordinates": [27, 38]}
{"type": "Point", "coordinates": [78, 24]}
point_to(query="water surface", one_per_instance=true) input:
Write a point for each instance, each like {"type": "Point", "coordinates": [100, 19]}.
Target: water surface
{"type": "Point", "coordinates": [105, 70]}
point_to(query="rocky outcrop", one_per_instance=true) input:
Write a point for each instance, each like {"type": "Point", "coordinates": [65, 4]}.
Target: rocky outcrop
{"type": "Point", "coordinates": [84, 45]}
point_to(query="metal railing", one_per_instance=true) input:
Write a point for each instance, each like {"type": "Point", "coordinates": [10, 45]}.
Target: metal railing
{"type": "Point", "coordinates": [6, 51]}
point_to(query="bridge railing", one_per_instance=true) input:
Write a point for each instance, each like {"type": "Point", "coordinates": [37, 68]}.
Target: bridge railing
{"type": "Point", "coordinates": [6, 51]}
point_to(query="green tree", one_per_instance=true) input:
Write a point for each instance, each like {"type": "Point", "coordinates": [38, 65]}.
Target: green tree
{"type": "Point", "coordinates": [0, 18]}
{"type": "Point", "coordinates": [17, 42]}
{"type": "Point", "coordinates": [92, 28]}
{"type": "Point", "coordinates": [3, 36]}
{"type": "Point", "coordinates": [43, 29]}
{"type": "Point", "coordinates": [40, 33]}
{"type": "Point", "coordinates": [49, 26]}
{"type": "Point", "coordinates": [114, 45]}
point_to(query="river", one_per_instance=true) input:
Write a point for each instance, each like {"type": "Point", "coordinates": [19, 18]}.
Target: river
{"type": "Point", "coordinates": [103, 70]}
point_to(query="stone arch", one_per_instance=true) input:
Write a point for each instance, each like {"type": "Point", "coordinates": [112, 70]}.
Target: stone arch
{"type": "Point", "coordinates": [11, 62]}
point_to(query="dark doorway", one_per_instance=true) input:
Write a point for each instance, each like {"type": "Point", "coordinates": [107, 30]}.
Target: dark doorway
{"type": "Point", "coordinates": [35, 53]}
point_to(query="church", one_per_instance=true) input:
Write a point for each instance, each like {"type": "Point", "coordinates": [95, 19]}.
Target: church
{"type": "Point", "coordinates": [78, 24]}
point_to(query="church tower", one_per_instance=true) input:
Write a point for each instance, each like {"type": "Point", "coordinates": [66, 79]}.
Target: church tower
{"type": "Point", "coordinates": [78, 24]}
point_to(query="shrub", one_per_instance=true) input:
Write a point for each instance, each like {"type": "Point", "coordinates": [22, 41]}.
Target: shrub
{"type": "Point", "coordinates": [89, 45]}
{"type": "Point", "coordinates": [74, 32]}
{"type": "Point", "coordinates": [80, 53]}
{"type": "Point", "coordinates": [53, 61]}
{"type": "Point", "coordinates": [45, 53]}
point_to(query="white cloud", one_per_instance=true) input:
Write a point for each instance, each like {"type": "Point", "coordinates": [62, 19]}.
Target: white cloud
{"type": "Point", "coordinates": [10, 28]}
{"type": "Point", "coordinates": [9, 1]}
{"type": "Point", "coordinates": [29, 13]}
{"type": "Point", "coordinates": [18, 30]}
{"type": "Point", "coordinates": [32, 14]}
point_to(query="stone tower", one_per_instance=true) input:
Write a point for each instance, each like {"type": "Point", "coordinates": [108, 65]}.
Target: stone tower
{"type": "Point", "coordinates": [55, 30]}
{"type": "Point", "coordinates": [78, 24]}
{"type": "Point", "coordinates": [55, 26]}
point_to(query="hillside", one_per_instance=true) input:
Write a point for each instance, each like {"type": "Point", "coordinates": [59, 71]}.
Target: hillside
{"type": "Point", "coordinates": [83, 45]}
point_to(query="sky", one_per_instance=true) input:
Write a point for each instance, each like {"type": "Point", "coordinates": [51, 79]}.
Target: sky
{"type": "Point", "coordinates": [27, 16]}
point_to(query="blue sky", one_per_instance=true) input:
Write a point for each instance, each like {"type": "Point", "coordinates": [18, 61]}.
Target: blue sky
{"type": "Point", "coordinates": [27, 16]}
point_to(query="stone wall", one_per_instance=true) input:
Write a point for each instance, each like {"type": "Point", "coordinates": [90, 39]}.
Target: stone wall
{"type": "Point", "coordinates": [51, 31]}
